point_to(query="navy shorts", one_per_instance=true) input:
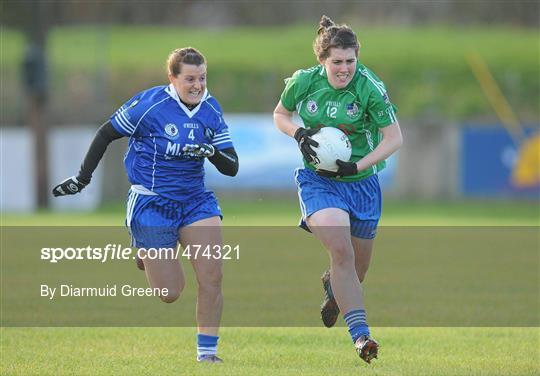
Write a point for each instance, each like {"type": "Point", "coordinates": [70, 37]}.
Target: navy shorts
{"type": "Point", "coordinates": [361, 199]}
{"type": "Point", "coordinates": [153, 221]}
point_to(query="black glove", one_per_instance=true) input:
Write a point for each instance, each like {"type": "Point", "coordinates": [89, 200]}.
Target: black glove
{"type": "Point", "coordinates": [303, 137]}
{"type": "Point", "coordinates": [344, 169]}
{"type": "Point", "coordinates": [70, 186]}
{"type": "Point", "coordinates": [199, 150]}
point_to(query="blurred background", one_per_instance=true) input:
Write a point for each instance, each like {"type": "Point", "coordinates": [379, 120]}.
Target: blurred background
{"type": "Point", "coordinates": [465, 77]}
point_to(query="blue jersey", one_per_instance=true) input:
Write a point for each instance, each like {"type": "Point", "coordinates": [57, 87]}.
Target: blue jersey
{"type": "Point", "coordinates": [158, 125]}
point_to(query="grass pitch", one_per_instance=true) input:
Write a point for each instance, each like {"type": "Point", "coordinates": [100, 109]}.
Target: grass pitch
{"type": "Point", "coordinates": [286, 212]}
{"type": "Point", "coordinates": [278, 350]}
{"type": "Point", "coordinates": [269, 351]}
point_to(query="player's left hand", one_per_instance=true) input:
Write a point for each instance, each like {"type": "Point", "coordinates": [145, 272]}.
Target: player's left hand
{"type": "Point", "coordinates": [344, 169]}
{"type": "Point", "coordinates": [199, 150]}
{"type": "Point", "coordinates": [305, 142]}
{"type": "Point", "coordinates": [70, 186]}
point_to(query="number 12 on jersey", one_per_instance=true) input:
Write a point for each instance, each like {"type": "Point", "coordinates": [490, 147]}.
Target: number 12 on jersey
{"type": "Point", "coordinates": [331, 112]}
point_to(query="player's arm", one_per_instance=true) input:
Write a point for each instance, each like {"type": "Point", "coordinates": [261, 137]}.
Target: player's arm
{"type": "Point", "coordinates": [391, 142]}
{"type": "Point", "coordinates": [284, 122]}
{"type": "Point", "coordinates": [226, 161]}
{"type": "Point", "coordinates": [104, 136]}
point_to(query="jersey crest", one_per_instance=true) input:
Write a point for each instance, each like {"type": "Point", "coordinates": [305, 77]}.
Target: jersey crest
{"type": "Point", "coordinates": [171, 131]}
{"type": "Point", "coordinates": [312, 106]}
{"type": "Point", "coordinates": [352, 110]}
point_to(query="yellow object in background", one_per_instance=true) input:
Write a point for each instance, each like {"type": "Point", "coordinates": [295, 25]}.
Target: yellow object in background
{"type": "Point", "coordinates": [526, 172]}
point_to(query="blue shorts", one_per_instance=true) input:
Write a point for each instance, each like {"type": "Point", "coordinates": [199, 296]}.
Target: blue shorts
{"type": "Point", "coordinates": [361, 199]}
{"type": "Point", "coordinates": [153, 221]}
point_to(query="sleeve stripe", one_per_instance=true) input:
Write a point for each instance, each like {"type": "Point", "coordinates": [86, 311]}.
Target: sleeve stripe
{"type": "Point", "coordinates": [222, 134]}
{"type": "Point", "coordinates": [393, 115]}
{"type": "Point", "coordinates": [378, 85]}
{"type": "Point", "coordinates": [221, 138]}
{"type": "Point", "coordinates": [222, 142]}
{"type": "Point", "coordinates": [123, 125]}
{"type": "Point", "coordinates": [123, 116]}
{"type": "Point", "coordinates": [120, 110]}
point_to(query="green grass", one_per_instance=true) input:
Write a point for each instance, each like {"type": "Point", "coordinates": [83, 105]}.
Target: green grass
{"type": "Point", "coordinates": [402, 279]}
{"type": "Point", "coordinates": [269, 351]}
{"type": "Point", "coordinates": [285, 212]}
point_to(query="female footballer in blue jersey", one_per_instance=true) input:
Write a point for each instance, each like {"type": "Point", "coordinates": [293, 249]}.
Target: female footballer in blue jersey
{"type": "Point", "coordinates": [171, 130]}
{"type": "Point", "coordinates": [341, 208]}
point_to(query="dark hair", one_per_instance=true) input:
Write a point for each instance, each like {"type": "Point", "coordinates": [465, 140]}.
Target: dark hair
{"type": "Point", "coordinates": [186, 55]}
{"type": "Point", "coordinates": [330, 35]}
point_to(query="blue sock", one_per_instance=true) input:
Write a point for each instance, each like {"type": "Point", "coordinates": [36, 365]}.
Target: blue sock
{"type": "Point", "coordinates": [206, 345]}
{"type": "Point", "coordinates": [356, 321]}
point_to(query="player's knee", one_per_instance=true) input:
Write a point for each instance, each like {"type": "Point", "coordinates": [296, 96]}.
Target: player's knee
{"type": "Point", "coordinates": [211, 281]}
{"type": "Point", "coordinates": [169, 298]}
{"type": "Point", "coordinates": [342, 255]}
{"type": "Point", "coordinates": [172, 294]}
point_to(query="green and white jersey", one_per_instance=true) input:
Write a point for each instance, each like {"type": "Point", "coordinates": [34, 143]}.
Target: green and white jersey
{"type": "Point", "coordinates": [360, 109]}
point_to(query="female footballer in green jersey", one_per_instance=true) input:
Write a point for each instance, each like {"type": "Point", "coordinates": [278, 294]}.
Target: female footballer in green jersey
{"type": "Point", "coordinates": [342, 208]}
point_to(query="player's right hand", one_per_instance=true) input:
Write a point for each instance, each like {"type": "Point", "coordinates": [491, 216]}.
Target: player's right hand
{"type": "Point", "coordinates": [199, 150]}
{"type": "Point", "coordinates": [305, 142]}
{"type": "Point", "coordinates": [70, 186]}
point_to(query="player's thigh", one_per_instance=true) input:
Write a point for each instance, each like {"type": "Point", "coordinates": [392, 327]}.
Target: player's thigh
{"type": "Point", "coordinates": [163, 270]}
{"type": "Point", "coordinates": [154, 231]}
{"type": "Point", "coordinates": [363, 249]}
{"type": "Point", "coordinates": [332, 227]}
{"type": "Point", "coordinates": [204, 238]}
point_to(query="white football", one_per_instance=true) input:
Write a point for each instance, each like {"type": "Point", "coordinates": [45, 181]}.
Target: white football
{"type": "Point", "coordinates": [333, 144]}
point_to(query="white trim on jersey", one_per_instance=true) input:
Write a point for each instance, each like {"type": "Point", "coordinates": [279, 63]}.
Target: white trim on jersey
{"type": "Point", "coordinates": [302, 205]}
{"type": "Point", "coordinates": [382, 90]}
{"type": "Point", "coordinates": [132, 198]}
{"type": "Point", "coordinates": [154, 164]}
{"type": "Point", "coordinates": [392, 114]}
{"type": "Point", "coordinates": [221, 135]}
{"type": "Point", "coordinates": [371, 147]}
{"type": "Point", "coordinates": [123, 122]}
{"type": "Point", "coordinates": [354, 96]}
{"type": "Point", "coordinates": [142, 190]}
{"type": "Point", "coordinates": [215, 110]}
{"type": "Point", "coordinates": [379, 85]}
{"type": "Point", "coordinates": [129, 127]}
{"type": "Point", "coordinates": [174, 95]}
{"type": "Point", "coordinates": [221, 138]}
{"type": "Point", "coordinates": [143, 115]}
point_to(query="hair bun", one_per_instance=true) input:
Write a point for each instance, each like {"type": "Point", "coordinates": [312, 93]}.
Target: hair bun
{"type": "Point", "coordinates": [326, 22]}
